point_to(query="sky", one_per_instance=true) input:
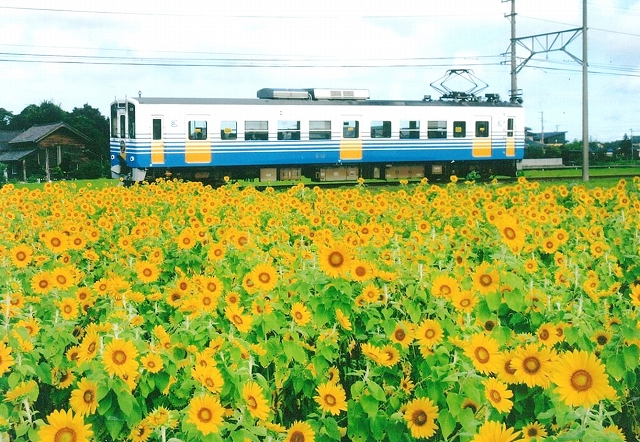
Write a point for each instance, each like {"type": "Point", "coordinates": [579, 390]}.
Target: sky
{"type": "Point", "coordinates": [74, 53]}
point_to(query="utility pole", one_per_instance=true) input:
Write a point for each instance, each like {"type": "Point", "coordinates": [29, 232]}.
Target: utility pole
{"type": "Point", "coordinates": [515, 96]}
{"type": "Point", "coordinates": [585, 97]}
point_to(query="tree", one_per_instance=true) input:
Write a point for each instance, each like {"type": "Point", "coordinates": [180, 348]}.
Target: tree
{"type": "Point", "coordinates": [32, 115]}
{"type": "Point", "coordinates": [88, 121]}
{"type": "Point", "coordinates": [5, 118]}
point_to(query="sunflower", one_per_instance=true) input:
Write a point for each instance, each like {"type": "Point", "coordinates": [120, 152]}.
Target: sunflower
{"type": "Point", "coordinates": [119, 357]}
{"type": "Point", "coordinates": [421, 414]}
{"type": "Point", "coordinates": [486, 279]}
{"type": "Point", "coordinates": [547, 334]}
{"type": "Point", "coordinates": [300, 313]}
{"type": "Point", "coordinates": [444, 286]}
{"type": "Point", "coordinates": [492, 431]}
{"type": "Point", "coordinates": [186, 239]}
{"type": "Point", "coordinates": [63, 277]}
{"type": "Point", "coordinates": [141, 432]}
{"type": "Point", "coordinates": [533, 430]}
{"type": "Point", "coordinates": [484, 353]}
{"type": "Point", "coordinates": [403, 334]}
{"type": "Point", "coordinates": [211, 285]}
{"type": "Point", "coordinates": [6, 359]}
{"type": "Point", "coordinates": [88, 347]}
{"type": "Point", "coordinates": [147, 271]}
{"type": "Point", "coordinates": [331, 398]}
{"type": "Point", "coordinates": [21, 255]}
{"type": "Point", "coordinates": [407, 385]}
{"type": "Point", "coordinates": [62, 379]}
{"type": "Point", "coordinates": [300, 432]}
{"type": "Point", "coordinates": [581, 379]}
{"type": "Point", "coordinates": [469, 404]}
{"type": "Point", "coordinates": [531, 265]}
{"type": "Point", "coordinates": [265, 277]}
{"type": "Point", "coordinates": [55, 241]}
{"type": "Point", "coordinates": [216, 252]}
{"type": "Point", "coordinates": [511, 232]}
{"type": "Point", "coordinates": [370, 293]}
{"type": "Point", "coordinates": [41, 283]}
{"type": "Point", "coordinates": [343, 320]}
{"type": "Point", "coordinates": [506, 372]}
{"type": "Point", "coordinates": [617, 431]}
{"type": "Point", "coordinates": [235, 314]}
{"type": "Point", "coordinates": [429, 333]}
{"type": "Point", "coordinates": [549, 245]}
{"type": "Point", "coordinates": [84, 399]}
{"type": "Point", "coordinates": [361, 270]}
{"type": "Point", "coordinates": [206, 413]}
{"type": "Point", "coordinates": [602, 338]}
{"type": "Point", "coordinates": [257, 404]}
{"type": "Point", "coordinates": [152, 362]}
{"type": "Point", "coordinates": [389, 356]}
{"type": "Point", "coordinates": [464, 301]}
{"type": "Point", "coordinates": [635, 294]}
{"type": "Point", "coordinates": [532, 365]}
{"type": "Point", "coordinates": [335, 259]}
{"type": "Point", "coordinates": [21, 391]}
{"type": "Point", "coordinates": [498, 395]}
{"type": "Point", "coordinates": [68, 308]}
{"type": "Point", "coordinates": [64, 426]}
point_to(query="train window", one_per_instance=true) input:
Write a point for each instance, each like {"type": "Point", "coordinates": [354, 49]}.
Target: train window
{"type": "Point", "coordinates": [256, 130]}
{"type": "Point", "coordinates": [123, 126]}
{"type": "Point", "coordinates": [228, 130]}
{"type": "Point", "coordinates": [381, 129]}
{"type": "Point", "coordinates": [351, 129]}
{"type": "Point", "coordinates": [510, 127]}
{"type": "Point", "coordinates": [459, 129]}
{"type": "Point", "coordinates": [288, 130]}
{"type": "Point", "coordinates": [157, 129]}
{"type": "Point", "coordinates": [409, 129]}
{"type": "Point", "coordinates": [437, 129]}
{"type": "Point", "coordinates": [197, 130]}
{"type": "Point", "coordinates": [482, 129]}
{"type": "Point", "coordinates": [319, 130]}
{"type": "Point", "coordinates": [132, 120]}
{"type": "Point", "coordinates": [114, 120]}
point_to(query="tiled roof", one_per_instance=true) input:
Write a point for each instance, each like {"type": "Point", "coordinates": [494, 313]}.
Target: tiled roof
{"type": "Point", "coordinates": [36, 133]}
{"type": "Point", "coordinates": [15, 155]}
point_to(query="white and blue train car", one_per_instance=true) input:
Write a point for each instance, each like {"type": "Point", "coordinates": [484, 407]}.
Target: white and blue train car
{"type": "Point", "coordinates": [323, 134]}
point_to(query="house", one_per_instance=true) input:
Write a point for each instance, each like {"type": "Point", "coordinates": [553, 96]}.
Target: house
{"type": "Point", "coordinates": [40, 150]}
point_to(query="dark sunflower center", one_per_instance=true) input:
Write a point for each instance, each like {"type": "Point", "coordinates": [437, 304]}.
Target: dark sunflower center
{"type": "Point", "coordinates": [581, 380]}
{"type": "Point", "coordinates": [419, 417]}
{"type": "Point", "coordinates": [119, 357]}
{"type": "Point", "coordinates": [531, 365]}
{"type": "Point", "coordinates": [482, 355]}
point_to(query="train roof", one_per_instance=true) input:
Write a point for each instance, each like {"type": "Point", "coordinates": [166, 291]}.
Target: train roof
{"type": "Point", "coordinates": [310, 102]}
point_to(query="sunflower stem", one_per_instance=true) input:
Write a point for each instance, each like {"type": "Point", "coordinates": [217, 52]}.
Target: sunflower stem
{"type": "Point", "coordinates": [163, 433]}
{"type": "Point", "coordinates": [27, 409]}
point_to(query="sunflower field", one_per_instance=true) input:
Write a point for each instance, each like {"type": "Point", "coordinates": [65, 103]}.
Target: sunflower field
{"type": "Point", "coordinates": [175, 311]}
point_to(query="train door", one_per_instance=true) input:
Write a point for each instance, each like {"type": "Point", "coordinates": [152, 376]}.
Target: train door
{"type": "Point", "coordinates": [510, 150]}
{"type": "Point", "coordinates": [157, 141]}
{"type": "Point", "coordinates": [351, 142]}
{"type": "Point", "coordinates": [482, 137]}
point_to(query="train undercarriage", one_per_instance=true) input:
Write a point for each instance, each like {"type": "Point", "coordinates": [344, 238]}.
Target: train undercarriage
{"type": "Point", "coordinates": [433, 171]}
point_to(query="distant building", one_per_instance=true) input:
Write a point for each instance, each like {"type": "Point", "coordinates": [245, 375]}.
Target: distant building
{"type": "Point", "coordinates": [548, 138]}
{"type": "Point", "coordinates": [40, 150]}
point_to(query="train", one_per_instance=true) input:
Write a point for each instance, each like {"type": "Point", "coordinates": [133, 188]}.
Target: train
{"type": "Point", "coordinates": [321, 134]}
